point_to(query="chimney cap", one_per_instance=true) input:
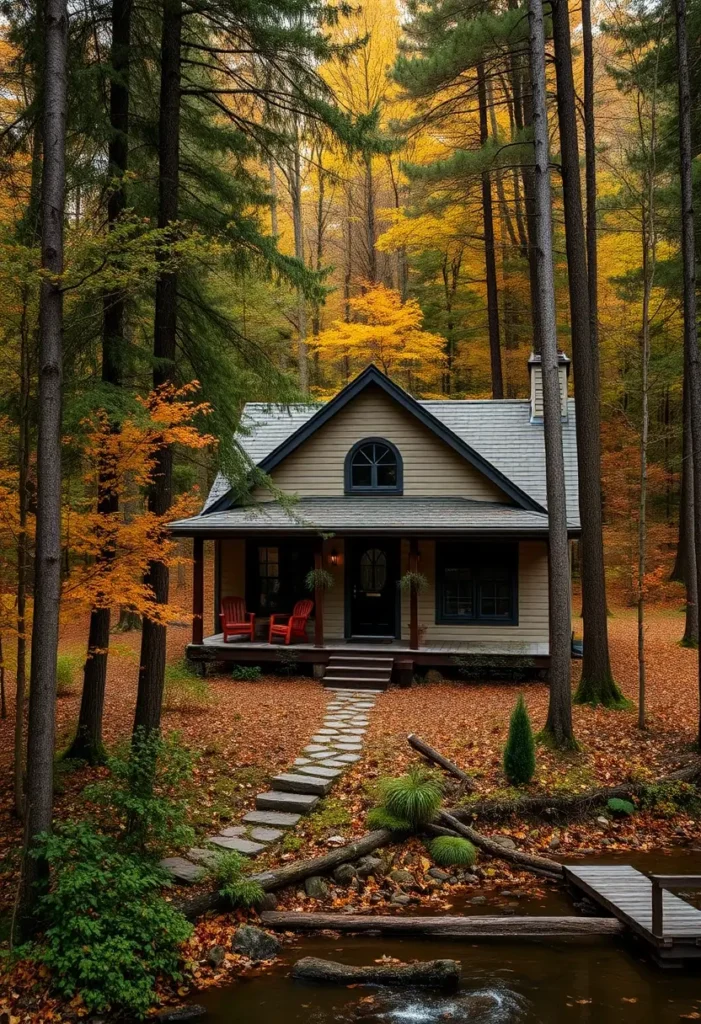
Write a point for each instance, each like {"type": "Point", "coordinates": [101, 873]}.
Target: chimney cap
{"type": "Point", "coordinates": [562, 359]}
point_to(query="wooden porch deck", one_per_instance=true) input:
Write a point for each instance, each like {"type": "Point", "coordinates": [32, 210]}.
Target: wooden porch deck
{"type": "Point", "coordinates": [511, 648]}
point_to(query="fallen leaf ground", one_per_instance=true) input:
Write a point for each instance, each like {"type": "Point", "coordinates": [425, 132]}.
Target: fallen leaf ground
{"type": "Point", "coordinates": [247, 731]}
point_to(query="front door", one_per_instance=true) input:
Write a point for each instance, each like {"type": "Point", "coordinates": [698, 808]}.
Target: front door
{"type": "Point", "coordinates": [373, 575]}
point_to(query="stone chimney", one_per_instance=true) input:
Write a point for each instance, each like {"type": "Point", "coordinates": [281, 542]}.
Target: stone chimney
{"type": "Point", "coordinates": [536, 373]}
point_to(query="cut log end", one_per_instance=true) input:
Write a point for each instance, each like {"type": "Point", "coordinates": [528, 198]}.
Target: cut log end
{"type": "Point", "coordinates": [443, 974]}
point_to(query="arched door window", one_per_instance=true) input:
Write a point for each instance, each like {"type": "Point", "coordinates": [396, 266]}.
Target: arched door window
{"type": "Point", "coordinates": [373, 570]}
{"type": "Point", "coordinates": [374, 465]}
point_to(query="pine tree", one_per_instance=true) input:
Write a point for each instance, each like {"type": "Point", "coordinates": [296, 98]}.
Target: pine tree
{"type": "Point", "coordinates": [519, 753]}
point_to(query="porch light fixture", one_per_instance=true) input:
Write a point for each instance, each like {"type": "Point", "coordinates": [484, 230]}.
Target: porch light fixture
{"type": "Point", "coordinates": [334, 557]}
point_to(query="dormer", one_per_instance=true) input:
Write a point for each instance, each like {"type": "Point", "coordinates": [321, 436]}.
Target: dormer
{"type": "Point", "coordinates": [536, 372]}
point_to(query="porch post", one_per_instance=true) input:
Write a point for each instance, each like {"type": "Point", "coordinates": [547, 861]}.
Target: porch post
{"type": "Point", "coordinates": [319, 597]}
{"type": "Point", "coordinates": [197, 589]}
{"type": "Point", "coordinates": [413, 596]}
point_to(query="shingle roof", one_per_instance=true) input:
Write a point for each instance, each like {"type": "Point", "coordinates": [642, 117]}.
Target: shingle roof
{"type": "Point", "coordinates": [370, 514]}
{"type": "Point", "coordinates": [500, 430]}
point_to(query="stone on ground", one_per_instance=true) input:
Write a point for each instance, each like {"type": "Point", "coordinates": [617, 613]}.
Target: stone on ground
{"type": "Point", "coordinates": [255, 944]}
{"type": "Point", "coordinates": [182, 870]}
{"type": "Point", "coordinates": [277, 819]}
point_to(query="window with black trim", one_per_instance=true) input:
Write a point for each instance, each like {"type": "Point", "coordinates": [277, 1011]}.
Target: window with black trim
{"type": "Point", "coordinates": [268, 578]}
{"type": "Point", "coordinates": [374, 465]}
{"type": "Point", "coordinates": [477, 583]}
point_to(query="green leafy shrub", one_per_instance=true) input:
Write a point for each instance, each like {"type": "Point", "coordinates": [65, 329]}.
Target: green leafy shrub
{"type": "Point", "coordinates": [246, 673]}
{"type": "Point", "coordinates": [623, 807]}
{"type": "Point", "coordinates": [65, 675]}
{"type": "Point", "coordinates": [414, 797]}
{"type": "Point", "coordinates": [229, 874]}
{"type": "Point", "coordinates": [452, 851]}
{"type": "Point", "coordinates": [143, 794]}
{"type": "Point", "coordinates": [109, 932]}
{"type": "Point", "coordinates": [519, 753]}
{"type": "Point", "coordinates": [667, 799]}
{"type": "Point", "coordinates": [184, 691]}
{"type": "Point", "coordinates": [380, 817]}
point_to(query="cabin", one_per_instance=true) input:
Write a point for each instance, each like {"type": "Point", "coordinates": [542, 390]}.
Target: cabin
{"type": "Point", "coordinates": [404, 533]}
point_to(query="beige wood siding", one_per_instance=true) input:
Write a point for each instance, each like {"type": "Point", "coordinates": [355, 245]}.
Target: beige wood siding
{"type": "Point", "coordinates": [430, 466]}
{"type": "Point", "coordinates": [334, 626]}
{"type": "Point", "coordinates": [232, 567]}
{"type": "Point", "coordinates": [532, 600]}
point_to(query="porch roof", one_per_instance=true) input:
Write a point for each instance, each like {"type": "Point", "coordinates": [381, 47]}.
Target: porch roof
{"type": "Point", "coordinates": [376, 515]}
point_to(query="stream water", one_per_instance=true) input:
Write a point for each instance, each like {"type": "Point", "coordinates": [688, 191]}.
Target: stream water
{"type": "Point", "coordinates": [545, 982]}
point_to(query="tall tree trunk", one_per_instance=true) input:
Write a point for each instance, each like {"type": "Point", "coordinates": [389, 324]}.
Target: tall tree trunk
{"type": "Point", "coordinates": [648, 241]}
{"type": "Point", "coordinates": [298, 226]}
{"type": "Point", "coordinates": [559, 721]}
{"type": "Point", "coordinates": [24, 456]}
{"type": "Point", "coordinates": [370, 225]}
{"type": "Point", "coordinates": [590, 176]}
{"type": "Point", "coordinates": [692, 363]}
{"type": "Point", "coordinates": [528, 201]}
{"type": "Point", "coordinates": [272, 176]}
{"type": "Point", "coordinates": [597, 685]}
{"type": "Point", "coordinates": [47, 589]}
{"type": "Point", "coordinates": [686, 551]}
{"type": "Point", "coordinates": [153, 636]}
{"type": "Point", "coordinates": [489, 255]}
{"type": "Point", "coordinates": [87, 744]}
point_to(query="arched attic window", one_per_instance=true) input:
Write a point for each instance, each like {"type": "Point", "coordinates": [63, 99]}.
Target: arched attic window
{"type": "Point", "coordinates": [374, 466]}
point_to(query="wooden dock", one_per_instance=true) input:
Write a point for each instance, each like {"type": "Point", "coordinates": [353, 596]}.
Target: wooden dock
{"type": "Point", "coordinates": [668, 925]}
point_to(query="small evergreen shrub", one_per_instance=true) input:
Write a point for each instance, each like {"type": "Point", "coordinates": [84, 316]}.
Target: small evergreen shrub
{"type": "Point", "coordinates": [144, 794]}
{"type": "Point", "coordinates": [452, 852]}
{"type": "Point", "coordinates": [519, 753]}
{"type": "Point", "coordinates": [622, 807]}
{"type": "Point", "coordinates": [229, 874]}
{"type": "Point", "coordinates": [414, 797]}
{"type": "Point", "coordinates": [380, 817]}
{"type": "Point", "coordinates": [184, 691]}
{"type": "Point", "coordinates": [109, 932]}
{"type": "Point", "coordinates": [246, 673]}
{"type": "Point", "coordinates": [65, 675]}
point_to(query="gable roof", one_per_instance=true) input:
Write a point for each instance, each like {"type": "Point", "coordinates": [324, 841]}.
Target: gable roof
{"type": "Point", "coordinates": [302, 427]}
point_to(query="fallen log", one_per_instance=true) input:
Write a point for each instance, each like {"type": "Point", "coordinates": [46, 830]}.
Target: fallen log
{"type": "Point", "coordinates": [529, 861]}
{"type": "Point", "coordinates": [443, 974]}
{"type": "Point", "coordinates": [476, 926]}
{"type": "Point", "coordinates": [570, 804]}
{"type": "Point", "coordinates": [432, 754]}
{"type": "Point", "coordinates": [291, 874]}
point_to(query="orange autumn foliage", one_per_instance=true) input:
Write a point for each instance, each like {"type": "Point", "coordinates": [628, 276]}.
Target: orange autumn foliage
{"type": "Point", "coordinates": [115, 549]}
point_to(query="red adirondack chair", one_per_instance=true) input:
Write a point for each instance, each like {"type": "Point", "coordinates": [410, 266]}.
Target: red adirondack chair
{"type": "Point", "coordinates": [235, 620]}
{"type": "Point", "coordinates": [295, 625]}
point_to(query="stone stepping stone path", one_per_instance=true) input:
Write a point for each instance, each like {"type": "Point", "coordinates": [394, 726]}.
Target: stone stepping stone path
{"type": "Point", "coordinates": [331, 750]}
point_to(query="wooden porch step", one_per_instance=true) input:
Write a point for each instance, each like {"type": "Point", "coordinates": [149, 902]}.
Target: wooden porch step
{"type": "Point", "coordinates": [369, 666]}
{"type": "Point", "coordinates": [363, 671]}
{"type": "Point", "coordinates": [279, 800]}
{"type": "Point", "coordinates": [289, 782]}
{"type": "Point", "coordinates": [354, 682]}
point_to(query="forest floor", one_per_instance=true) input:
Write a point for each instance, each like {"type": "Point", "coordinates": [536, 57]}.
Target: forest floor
{"type": "Point", "coordinates": [244, 732]}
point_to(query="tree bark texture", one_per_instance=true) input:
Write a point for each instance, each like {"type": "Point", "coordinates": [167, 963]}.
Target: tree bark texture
{"type": "Point", "coordinates": [444, 974]}
{"type": "Point", "coordinates": [489, 254]}
{"type": "Point", "coordinates": [559, 722]}
{"type": "Point", "coordinates": [153, 637]}
{"type": "Point", "coordinates": [444, 927]}
{"type": "Point", "coordinates": [686, 553]}
{"type": "Point", "coordinates": [298, 226]}
{"type": "Point", "coordinates": [88, 738]}
{"type": "Point", "coordinates": [597, 685]}
{"type": "Point", "coordinates": [494, 849]}
{"type": "Point", "coordinates": [47, 590]}
{"type": "Point", "coordinates": [692, 363]}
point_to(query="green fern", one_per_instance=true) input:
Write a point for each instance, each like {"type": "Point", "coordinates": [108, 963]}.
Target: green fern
{"type": "Point", "coordinates": [380, 817]}
{"type": "Point", "coordinates": [414, 797]}
{"type": "Point", "coordinates": [245, 892]}
{"type": "Point", "coordinates": [452, 851]}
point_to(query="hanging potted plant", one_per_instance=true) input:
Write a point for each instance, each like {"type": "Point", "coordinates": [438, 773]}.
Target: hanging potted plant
{"type": "Point", "coordinates": [319, 579]}
{"type": "Point", "coordinates": [413, 581]}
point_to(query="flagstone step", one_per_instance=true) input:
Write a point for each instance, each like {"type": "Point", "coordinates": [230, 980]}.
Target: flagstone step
{"type": "Point", "coordinates": [276, 819]}
{"type": "Point", "coordinates": [290, 783]}
{"type": "Point", "coordinates": [319, 772]}
{"type": "Point", "coordinates": [244, 846]}
{"type": "Point", "coordinates": [266, 835]}
{"type": "Point", "coordinates": [279, 800]}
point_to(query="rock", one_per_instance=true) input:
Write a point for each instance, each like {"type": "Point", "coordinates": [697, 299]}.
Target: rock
{"type": "Point", "coordinates": [269, 902]}
{"type": "Point", "coordinates": [478, 900]}
{"type": "Point", "coordinates": [254, 943]}
{"type": "Point", "coordinates": [441, 876]}
{"type": "Point", "coordinates": [605, 842]}
{"type": "Point", "coordinates": [209, 858]}
{"type": "Point", "coordinates": [471, 879]}
{"type": "Point", "coordinates": [180, 1014]}
{"type": "Point", "coordinates": [453, 879]}
{"type": "Point", "coordinates": [604, 822]}
{"type": "Point", "coordinates": [505, 841]}
{"type": "Point", "coordinates": [433, 883]}
{"type": "Point", "coordinates": [344, 874]}
{"type": "Point", "coordinates": [402, 877]}
{"type": "Point", "coordinates": [316, 887]}
{"type": "Point", "coordinates": [401, 899]}
{"type": "Point", "coordinates": [348, 909]}
{"type": "Point", "coordinates": [367, 866]}
{"type": "Point", "coordinates": [215, 956]}
{"type": "Point", "coordinates": [555, 842]}
{"type": "Point", "coordinates": [183, 870]}
{"type": "Point", "coordinates": [335, 841]}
